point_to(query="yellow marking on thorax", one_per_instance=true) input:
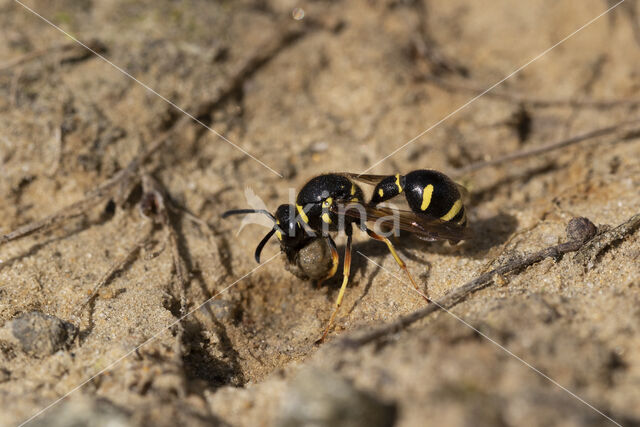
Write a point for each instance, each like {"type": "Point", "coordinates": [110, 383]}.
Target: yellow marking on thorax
{"type": "Point", "coordinates": [380, 192]}
{"type": "Point", "coordinates": [426, 197]}
{"type": "Point", "coordinates": [326, 204]}
{"type": "Point", "coordinates": [354, 199]}
{"type": "Point", "coordinates": [398, 183]}
{"type": "Point", "coordinates": [353, 189]}
{"type": "Point", "coordinates": [453, 211]}
{"type": "Point", "coordinates": [303, 215]}
{"type": "Point", "coordinates": [278, 233]}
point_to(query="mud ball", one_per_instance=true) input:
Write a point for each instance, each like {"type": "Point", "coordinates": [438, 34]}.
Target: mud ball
{"type": "Point", "coordinates": [312, 262]}
{"type": "Point", "coordinates": [581, 229]}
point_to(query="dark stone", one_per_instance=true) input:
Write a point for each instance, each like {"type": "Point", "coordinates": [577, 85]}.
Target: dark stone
{"type": "Point", "coordinates": [41, 335]}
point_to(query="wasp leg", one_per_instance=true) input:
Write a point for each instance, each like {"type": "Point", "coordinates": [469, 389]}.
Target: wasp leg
{"type": "Point", "coordinates": [345, 280]}
{"type": "Point", "coordinates": [336, 260]}
{"type": "Point", "coordinates": [400, 262]}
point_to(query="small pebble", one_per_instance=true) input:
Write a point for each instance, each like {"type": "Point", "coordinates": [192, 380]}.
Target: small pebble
{"type": "Point", "coordinates": [40, 334]}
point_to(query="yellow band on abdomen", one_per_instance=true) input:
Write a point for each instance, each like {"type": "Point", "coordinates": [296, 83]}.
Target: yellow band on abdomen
{"type": "Point", "coordinates": [426, 197]}
{"type": "Point", "coordinates": [398, 183]}
{"type": "Point", "coordinates": [453, 211]}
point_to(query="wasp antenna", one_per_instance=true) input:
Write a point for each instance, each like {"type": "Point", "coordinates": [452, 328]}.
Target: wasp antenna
{"type": "Point", "coordinates": [248, 211]}
{"type": "Point", "coordinates": [262, 243]}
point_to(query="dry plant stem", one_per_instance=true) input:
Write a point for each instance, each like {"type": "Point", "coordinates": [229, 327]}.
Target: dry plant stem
{"type": "Point", "coordinates": [544, 149]}
{"type": "Point", "coordinates": [103, 191]}
{"type": "Point", "coordinates": [534, 102]}
{"type": "Point", "coordinates": [580, 232]}
{"type": "Point", "coordinates": [588, 254]}
{"type": "Point", "coordinates": [154, 205]}
{"type": "Point", "coordinates": [154, 194]}
{"type": "Point", "coordinates": [68, 212]}
{"type": "Point", "coordinates": [204, 226]}
{"type": "Point", "coordinates": [261, 57]}
{"type": "Point", "coordinates": [77, 51]}
{"type": "Point", "coordinates": [178, 348]}
{"type": "Point", "coordinates": [179, 266]}
{"type": "Point", "coordinates": [122, 179]}
{"type": "Point", "coordinates": [504, 246]}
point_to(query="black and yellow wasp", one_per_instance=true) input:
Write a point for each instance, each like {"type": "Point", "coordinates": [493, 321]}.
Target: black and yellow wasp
{"type": "Point", "coordinates": [334, 202]}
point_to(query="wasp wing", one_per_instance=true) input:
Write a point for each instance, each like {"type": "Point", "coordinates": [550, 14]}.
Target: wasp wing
{"type": "Point", "coordinates": [367, 179]}
{"type": "Point", "coordinates": [255, 202]}
{"type": "Point", "coordinates": [464, 192]}
{"type": "Point", "coordinates": [375, 180]}
{"type": "Point", "coordinates": [423, 226]}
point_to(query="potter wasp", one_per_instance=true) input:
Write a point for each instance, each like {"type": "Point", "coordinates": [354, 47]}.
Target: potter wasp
{"type": "Point", "coordinates": [335, 202]}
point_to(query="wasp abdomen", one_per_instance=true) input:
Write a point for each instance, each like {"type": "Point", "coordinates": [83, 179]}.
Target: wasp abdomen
{"type": "Point", "coordinates": [387, 189]}
{"type": "Point", "coordinates": [435, 194]}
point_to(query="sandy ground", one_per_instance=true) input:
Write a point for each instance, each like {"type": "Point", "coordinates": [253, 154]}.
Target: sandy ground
{"type": "Point", "coordinates": [337, 90]}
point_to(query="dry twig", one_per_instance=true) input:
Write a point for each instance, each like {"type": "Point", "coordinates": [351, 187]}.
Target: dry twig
{"type": "Point", "coordinates": [154, 206]}
{"type": "Point", "coordinates": [534, 102]}
{"type": "Point", "coordinates": [580, 232]}
{"type": "Point", "coordinates": [73, 51]}
{"type": "Point", "coordinates": [546, 148]}
{"type": "Point", "coordinates": [588, 254]}
{"type": "Point", "coordinates": [121, 181]}
{"type": "Point", "coordinates": [113, 187]}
